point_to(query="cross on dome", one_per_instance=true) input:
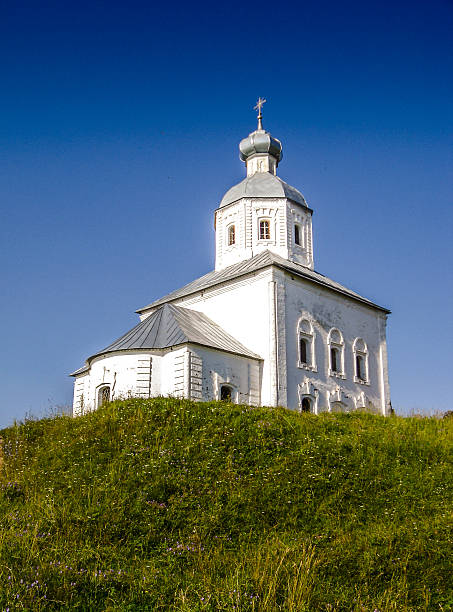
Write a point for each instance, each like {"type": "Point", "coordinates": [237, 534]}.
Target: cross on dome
{"type": "Point", "coordinates": [258, 107]}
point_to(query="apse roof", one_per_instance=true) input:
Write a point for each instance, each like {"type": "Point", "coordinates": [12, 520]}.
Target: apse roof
{"type": "Point", "coordinates": [258, 262]}
{"type": "Point", "coordinates": [262, 185]}
{"type": "Point", "coordinates": [172, 325]}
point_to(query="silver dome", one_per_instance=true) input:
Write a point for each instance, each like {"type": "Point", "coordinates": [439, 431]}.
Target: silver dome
{"type": "Point", "coordinates": [260, 141]}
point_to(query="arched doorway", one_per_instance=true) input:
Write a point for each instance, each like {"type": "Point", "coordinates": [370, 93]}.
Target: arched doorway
{"type": "Point", "coordinates": [306, 405]}
{"type": "Point", "coordinates": [226, 393]}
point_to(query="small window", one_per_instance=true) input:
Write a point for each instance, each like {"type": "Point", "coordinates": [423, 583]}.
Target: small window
{"type": "Point", "coordinates": [359, 367]}
{"type": "Point", "coordinates": [297, 239]}
{"type": "Point", "coordinates": [306, 344]}
{"type": "Point", "coordinates": [303, 350]}
{"type": "Point", "coordinates": [334, 359]}
{"type": "Point", "coordinates": [361, 360]}
{"type": "Point", "coordinates": [226, 393]}
{"type": "Point", "coordinates": [306, 405]}
{"type": "Point", "coordinates": [103, 395]}
{"type": "Point", "coordinates": [336, 353]}
{"type": "Point", "coordinates": [265, 229]}
{"type": "Point", "coordinates": [231, 235]}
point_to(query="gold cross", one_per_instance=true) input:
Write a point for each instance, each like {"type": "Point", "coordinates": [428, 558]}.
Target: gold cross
{"type": "Point", "coordinates": [259, 106]}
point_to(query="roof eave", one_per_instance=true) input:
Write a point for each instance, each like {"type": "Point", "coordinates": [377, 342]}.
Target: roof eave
{"type": "Point", "coordinates": [85, 369]}
{"type": "Point", "coordinates": [357, 298]}
{"type": "Point", "coordinates": [283, 197]}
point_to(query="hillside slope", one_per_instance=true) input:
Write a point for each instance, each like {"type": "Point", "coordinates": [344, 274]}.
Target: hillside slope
{"type": "Point", "coordinates": [166, 504]}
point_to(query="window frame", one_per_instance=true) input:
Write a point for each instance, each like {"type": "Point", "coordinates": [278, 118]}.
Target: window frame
{"type": "Point", "coordinates": [268, 238]}
{"type": "Point", "coordinates": [231, 228]}
{"type": "Point", "coordinates": [360, 351]}
{"type": "Point", "coordinates": [308, 336]}
{"type": "Point", "coordinates": [298, 234]}
{"type": "Point", "coordinates": [100, 391]}
{"type": "Point", "coordinates": [307, 390]}
{"type": "Point", "coordinates": [336, 345]}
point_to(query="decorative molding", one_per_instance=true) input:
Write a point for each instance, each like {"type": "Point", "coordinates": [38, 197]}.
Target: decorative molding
{"type": "Point", "coordinates": [339, 397]}
{"type": "Point", "coordinates": [305, 366]}
{"type": "Point", "coordinates": [334, 374]}
{"type": "Point", "coordinates": [307, 390]}
{"type": "Point", "coordinates": [361, 381]}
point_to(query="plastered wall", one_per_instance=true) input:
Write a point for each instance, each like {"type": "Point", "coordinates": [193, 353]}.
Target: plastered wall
{"type": "Point", "coordinates": [327, 310]}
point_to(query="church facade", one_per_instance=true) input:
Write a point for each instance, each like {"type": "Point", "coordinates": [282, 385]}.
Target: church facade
{"type": "Point", "coordinates": [263, 328]}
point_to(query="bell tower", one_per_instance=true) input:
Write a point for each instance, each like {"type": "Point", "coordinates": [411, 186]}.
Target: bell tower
{"type": "Point", "coordinates": [262, 212]}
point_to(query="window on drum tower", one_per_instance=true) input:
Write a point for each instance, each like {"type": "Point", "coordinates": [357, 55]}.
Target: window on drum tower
{"type": "Point", "coordinates": [231, 235]}
{"type": "Point", "coordinates": [265, 229]}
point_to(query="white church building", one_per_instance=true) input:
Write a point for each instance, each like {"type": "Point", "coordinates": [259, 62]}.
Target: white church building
{"type": "Point", "coordinates": [263, 328]}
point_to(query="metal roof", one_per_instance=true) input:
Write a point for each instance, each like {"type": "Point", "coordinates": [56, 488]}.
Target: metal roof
{"type": "Point", "coordinates": [262, 185]}
{"type": "Point", "coordinates": [82, 370]}
{"type": "Point", "coordinates": [258, 262]}
{"type": "Point", "coordinates": [172, 325]}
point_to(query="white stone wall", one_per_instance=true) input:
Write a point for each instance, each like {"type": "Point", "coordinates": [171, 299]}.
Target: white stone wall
{"type": "Point", "coordinates": [303, 253]}
{"type": "Point", "coordinates": [245, 309]}
{"type": "Point", "coordinates": [189, 371]}
{"type": "Point", "coordinates": [327, 310]}
{"type": "Point", "coordinates": [126, 374]}
{"type": "Point", "coordinates": [241, 373]}
{"type": "Point", "coordinates": [262, 311]}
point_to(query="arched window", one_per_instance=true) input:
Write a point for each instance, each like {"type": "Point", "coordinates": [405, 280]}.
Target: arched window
{"type": "Point", "coordinates": [336, 353]}
{"type": "Point", "coordinates": [303, 350]}
{"type": "Point", "coordinates": [360, 367]}
{"type": "Point", "coordinates": [306, 405]}
{"type": "Point", "coordinates": [265, 229]}
{"type": "Point", "coordinates": [334, 359]}
{"type": "Point", "coordinates": [306, 344]}
{"type": "Point", "coordinates": [360, 360]}
{"type": "Point", "coordinates": [231, 235]}
{"type": "Point", "coordinates": [103, 395]}
{"type": "Point", "coordinates": [226, 393]}
{"type": "Point", "coordinates": [297, 234]}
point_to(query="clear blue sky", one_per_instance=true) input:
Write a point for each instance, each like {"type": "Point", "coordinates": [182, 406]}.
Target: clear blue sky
{"type": "Point", "coordinates": [119, 126]}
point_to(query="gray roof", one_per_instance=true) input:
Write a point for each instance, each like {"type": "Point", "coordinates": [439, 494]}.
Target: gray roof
{"type": "Point", "coordinates": [85, 368]}
{"type": "Point", "coordinates": [262, 185]}
{"type": "Point", "coordinates": [172, 325]}
{"type": "Point", "coordinates": [258, 262]}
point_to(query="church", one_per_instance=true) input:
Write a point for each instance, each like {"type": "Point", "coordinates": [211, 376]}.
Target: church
{"type": "Point", "coordinates": [263, 328]}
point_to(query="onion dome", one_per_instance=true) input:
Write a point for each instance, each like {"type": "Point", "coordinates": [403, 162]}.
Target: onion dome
{"type": "Point", "coordinates": [260, 142]}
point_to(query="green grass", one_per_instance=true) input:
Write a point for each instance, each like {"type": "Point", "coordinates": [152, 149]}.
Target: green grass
{"type": "Point", "coordinates": [167, 504]}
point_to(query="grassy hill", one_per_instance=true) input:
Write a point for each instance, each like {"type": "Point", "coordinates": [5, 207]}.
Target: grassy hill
{"type": "Point", "coordinates": [171, 505]}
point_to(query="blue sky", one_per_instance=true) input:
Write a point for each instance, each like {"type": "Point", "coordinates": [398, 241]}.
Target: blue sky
{"type": "Point", "coordinates": [119, 127]}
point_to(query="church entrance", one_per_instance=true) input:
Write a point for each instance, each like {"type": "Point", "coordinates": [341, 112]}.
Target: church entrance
{"type": "Point", "coordinates": [226, 393]}
{"type": "Point", "coordinates": [306, 405]}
